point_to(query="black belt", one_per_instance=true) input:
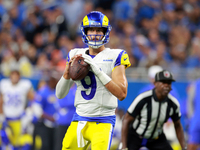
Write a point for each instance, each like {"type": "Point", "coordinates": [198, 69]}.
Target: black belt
{"type": "Point", "coordinates": [141, 137]}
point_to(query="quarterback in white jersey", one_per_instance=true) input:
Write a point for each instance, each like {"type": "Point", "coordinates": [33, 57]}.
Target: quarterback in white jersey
{"type": "Point", "coordinates": [93, 99]}
{"type": "Point", "coordinates": [14, 95]}
{"type": "Point", "coordinates": [97, 94]}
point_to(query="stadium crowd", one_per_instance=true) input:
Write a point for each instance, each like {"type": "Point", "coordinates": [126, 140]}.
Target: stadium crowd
{"type": "Point", "coordinates": [36, 35]}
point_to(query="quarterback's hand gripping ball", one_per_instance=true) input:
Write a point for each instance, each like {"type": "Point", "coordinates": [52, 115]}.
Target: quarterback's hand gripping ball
{"type": "Point", "coordinates": [78, 69]}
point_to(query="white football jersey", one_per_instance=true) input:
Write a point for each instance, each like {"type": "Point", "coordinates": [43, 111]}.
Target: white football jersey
{"type": "Point", "coordinates": [14, 97]}
{"type": "Point", "coordinates": [92, 98]}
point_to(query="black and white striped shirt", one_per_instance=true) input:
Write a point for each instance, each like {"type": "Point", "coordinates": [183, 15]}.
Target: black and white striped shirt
{"type": "Point", "coordinates": [150, 114]}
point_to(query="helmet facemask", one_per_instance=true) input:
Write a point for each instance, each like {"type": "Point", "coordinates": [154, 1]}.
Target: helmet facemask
{"type": "Point", "coordinates": [95, 19]}
{"type": "Point", "coordinates": [97, 41]}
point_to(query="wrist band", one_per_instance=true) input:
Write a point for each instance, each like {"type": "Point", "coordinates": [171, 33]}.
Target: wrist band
{"type": "Point", "coordinates": [104, 78]}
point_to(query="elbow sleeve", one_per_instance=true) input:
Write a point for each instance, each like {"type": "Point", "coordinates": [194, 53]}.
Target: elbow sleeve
{"type": "Point", "coordinates": [62, 87]}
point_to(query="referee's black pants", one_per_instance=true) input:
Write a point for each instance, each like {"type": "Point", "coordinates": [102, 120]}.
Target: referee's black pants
{"type": "Point", "coordinates": [135, 142]}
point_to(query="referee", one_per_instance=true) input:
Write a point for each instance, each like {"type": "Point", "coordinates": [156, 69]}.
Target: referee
{"type": "Point", "coordinates": [143, 123]}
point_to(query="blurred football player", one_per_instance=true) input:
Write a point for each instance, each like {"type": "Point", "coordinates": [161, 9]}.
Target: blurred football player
{"type": "Point", "coordinates": [193, 105]}
{"type": "Point", "coordinates": [96, 94]}
{"type": "Point", "coordinates": [45, 125]}
{"type": "Point", "coordinates": [15, 93]}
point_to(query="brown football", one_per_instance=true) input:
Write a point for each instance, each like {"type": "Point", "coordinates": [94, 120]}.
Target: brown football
{"type": "Point", "coordinates": [78, 69]}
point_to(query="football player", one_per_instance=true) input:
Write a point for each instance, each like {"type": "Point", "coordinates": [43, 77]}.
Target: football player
{"type": "Point", "coordinates": [96, 94]}
{"type": "Point", "coordinates": [15, 93]}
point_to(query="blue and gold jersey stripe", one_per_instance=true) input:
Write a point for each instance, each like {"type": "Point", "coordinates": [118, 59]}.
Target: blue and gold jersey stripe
{"type": "Point", "coordinates": [122, 59]}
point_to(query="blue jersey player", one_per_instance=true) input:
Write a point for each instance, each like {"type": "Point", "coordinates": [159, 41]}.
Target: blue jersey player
{"type": "Point", "coordinates": [193, 112]}
{"type": "Point", "coordinates": [96, 94]}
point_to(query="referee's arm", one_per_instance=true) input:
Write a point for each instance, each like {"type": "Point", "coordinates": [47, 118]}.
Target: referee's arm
{"type": "Point", "coordinates": [127, 120]}
{"type": "Point", "coordinates": [180, 134]}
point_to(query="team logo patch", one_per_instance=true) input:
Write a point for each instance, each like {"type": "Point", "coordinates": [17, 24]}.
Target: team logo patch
{"type": "Point", "coordinates": [166, 74]}
{"type": "Point", "coordinates": [125, 59]}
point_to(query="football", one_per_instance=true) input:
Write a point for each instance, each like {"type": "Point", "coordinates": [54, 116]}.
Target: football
{"type": "Point", "coordinates": [78, 69]}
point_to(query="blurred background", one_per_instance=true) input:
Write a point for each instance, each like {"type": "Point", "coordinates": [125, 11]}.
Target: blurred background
{"type": "Point", "coordinates": [36, 36]}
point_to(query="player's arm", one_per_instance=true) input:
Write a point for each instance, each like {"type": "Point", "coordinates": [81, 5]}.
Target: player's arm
{"type": "Point", "coordinates": [65, 83]}
{"type": "Point", "coordinates": [118, 85]}
{"type": "Point", "coordinates": [127, 120]}
{"type": "Point", "coordinates": [31, 94]}
{"type": "Point", "coordinates": [2, 117]}
{"type": "Point", "coordinates": [180, 134]}
{"type": "Point", "coordinates": [38, 112]}
{"type": "Point", "coordinates": [48, 117]}
{"type": "Point", "coordinates": [190, 100]}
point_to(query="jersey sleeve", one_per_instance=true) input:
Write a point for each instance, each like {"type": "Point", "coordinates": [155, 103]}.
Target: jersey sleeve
{"type": "Point", "coordinates": [177, 113]}
{"type": "Point", "coordinates": [68, 59]}
{"type": "Point", "coordinates": [3, 84]}
{"type": "Point", "coordinates": [136, 106]}
{"type": "Point", "coordinates": [122, 59]}
{"type": "Point", "coordinates": [29, 85]}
